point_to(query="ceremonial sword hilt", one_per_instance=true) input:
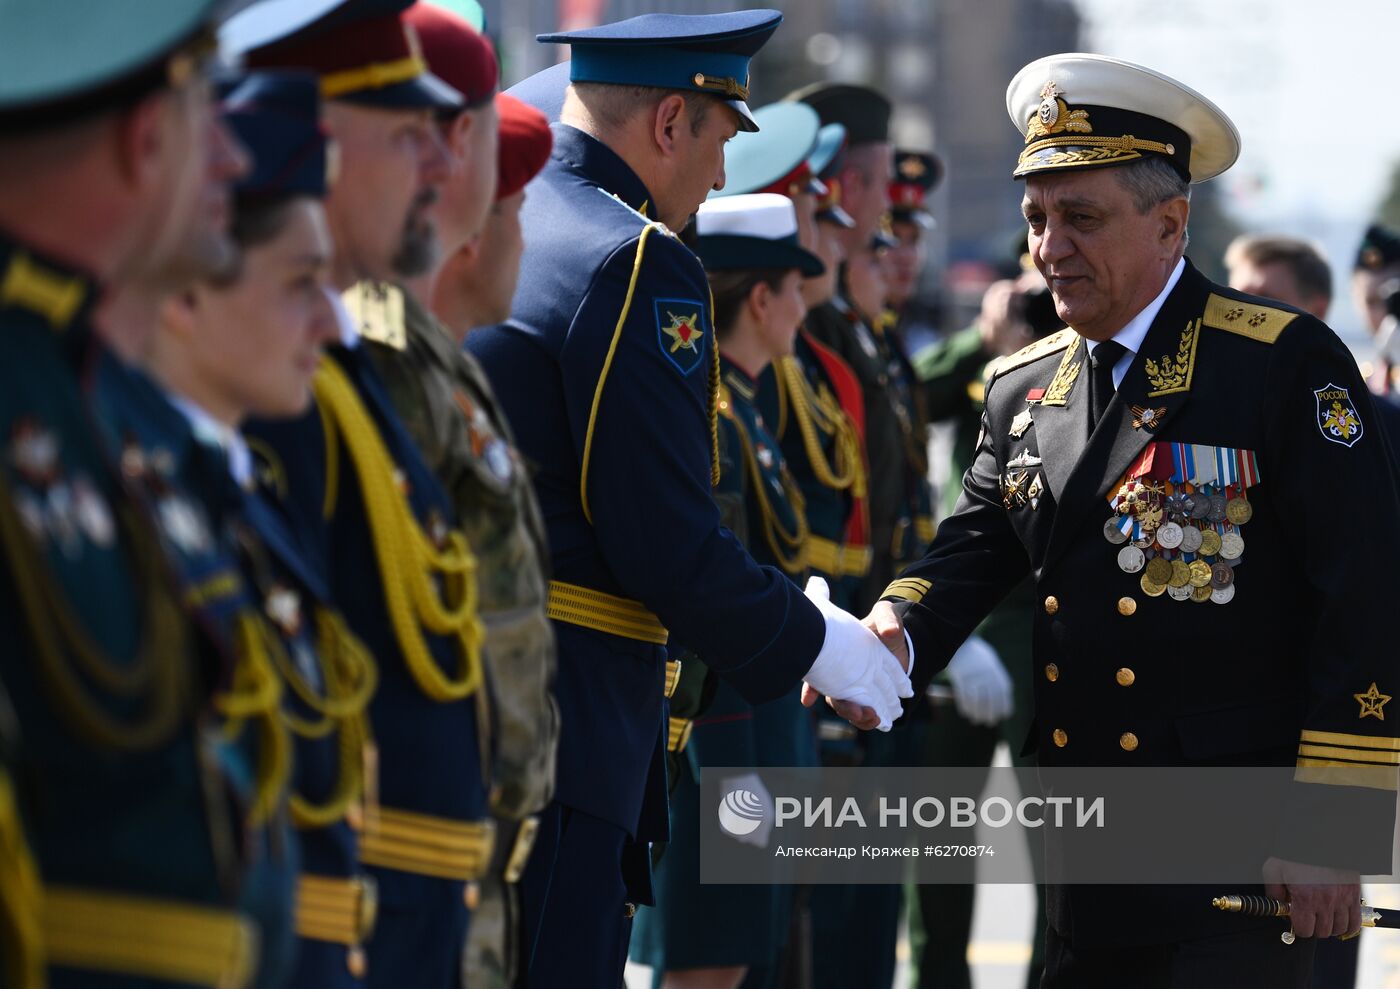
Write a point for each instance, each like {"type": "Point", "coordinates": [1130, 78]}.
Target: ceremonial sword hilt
{"type": "Point", "coordinates": [1267, 906]}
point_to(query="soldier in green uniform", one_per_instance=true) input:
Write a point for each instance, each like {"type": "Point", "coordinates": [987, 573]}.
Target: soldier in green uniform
{"type": "Point", "coordinates": [452, 415]}
{"type": "Point", "coordinates": [113, 167]}
{"type": "Point", "coordinates": [714, 935]}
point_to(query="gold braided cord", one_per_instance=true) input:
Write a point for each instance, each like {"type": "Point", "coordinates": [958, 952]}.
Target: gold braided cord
{"type": "Point", "coordinates": [780, 393]}
{"type": "Point", "coordinates": [410, 565]}
{"type": "Point", "coordinates": [823, 412]}
{"type": "Point", "coordinates": [350, 676]}
{"type": "Point", "coordinates": [21, 898]}
{"type": "Point", "coordinates": [347, 670]}
{"type": "Point", "coordinates": [712, 413]}
{"type": "Point", "coordinates": [607, 366]}
{"type": "Point", "coordinates": [58, 634]}
{"type": "Point", "coordinates": [787, 547]}
{"type": "Point", "coordinates": [1125, 143]}
{"type": "Point", "coordinates": [256, 696]}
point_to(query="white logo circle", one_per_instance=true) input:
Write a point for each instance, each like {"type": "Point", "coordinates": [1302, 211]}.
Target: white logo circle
{"type": "Point", "coordinates": [740, 812]}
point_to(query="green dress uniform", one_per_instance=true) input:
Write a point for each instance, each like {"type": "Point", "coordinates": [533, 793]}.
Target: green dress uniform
{"type": "Point", "coordinates": [703, 925]}
{"type": "Point", "coordinates": [950, 375]}
{"type": "Point", "coordinates": [111, 679]}
{"type": "Point", "coordinates": [449, 409]}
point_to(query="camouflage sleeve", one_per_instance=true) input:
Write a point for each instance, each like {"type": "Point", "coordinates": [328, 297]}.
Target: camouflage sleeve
{"type": "Point", "coordinates": [946, 369]}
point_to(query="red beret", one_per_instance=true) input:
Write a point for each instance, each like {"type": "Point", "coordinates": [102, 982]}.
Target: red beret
{"type": "Point", "coordinates": [524, 146]}
{"type": "Point", "coordinates": [456, 52]}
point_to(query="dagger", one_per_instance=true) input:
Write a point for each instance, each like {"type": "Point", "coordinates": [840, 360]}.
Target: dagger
{"type": "Point", "coordinates": [1267, 906]}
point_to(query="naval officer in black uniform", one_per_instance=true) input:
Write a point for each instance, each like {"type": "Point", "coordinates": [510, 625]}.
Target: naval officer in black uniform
{"type": "Point", "coordinates": [1126, 463]}
{"type": "Point", "coordinates": [609, 374]}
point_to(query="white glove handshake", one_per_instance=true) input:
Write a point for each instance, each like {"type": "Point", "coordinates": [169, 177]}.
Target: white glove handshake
{"type": "Point", "coordinates": [854, 665]}
{"type": "Point", "coordinates": [981, 685]}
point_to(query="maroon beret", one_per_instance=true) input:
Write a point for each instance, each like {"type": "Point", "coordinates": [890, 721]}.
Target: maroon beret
{"type": "Point", "coordinates": [524, 147]}
{"type": "Point", "coordinates": [456, 52]}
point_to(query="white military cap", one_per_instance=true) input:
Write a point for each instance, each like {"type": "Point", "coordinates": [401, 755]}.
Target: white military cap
{"type": "Point", "coordinates": [756, 230]}
{"type": "Point", "coordinates": [1092, 111]}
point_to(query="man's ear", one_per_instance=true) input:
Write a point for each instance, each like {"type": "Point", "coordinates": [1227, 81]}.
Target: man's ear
{"type": "Point", "coordinates": [139, 137]}
{"type": "Point", "coordinates": [1175, 213]}
{"type": "Point", "coordinates": [669, 118]}
{"type": "Point", "coordinates": [177, 312]}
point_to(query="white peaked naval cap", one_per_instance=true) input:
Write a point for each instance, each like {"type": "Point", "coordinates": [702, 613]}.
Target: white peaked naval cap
{"type": "Point", "coordinates": [1079, 111]}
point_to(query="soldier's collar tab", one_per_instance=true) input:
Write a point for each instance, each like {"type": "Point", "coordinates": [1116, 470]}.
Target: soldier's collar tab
{"type": "Point", "coordinates": [42, 286]}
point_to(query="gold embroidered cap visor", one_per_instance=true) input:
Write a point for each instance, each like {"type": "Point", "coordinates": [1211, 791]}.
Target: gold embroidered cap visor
{"type": "Point", "coordinates": [1090, 111]}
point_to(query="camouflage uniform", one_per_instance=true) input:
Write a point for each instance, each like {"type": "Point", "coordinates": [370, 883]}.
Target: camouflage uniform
{"type": "Point", "coordinates": [448, 408]}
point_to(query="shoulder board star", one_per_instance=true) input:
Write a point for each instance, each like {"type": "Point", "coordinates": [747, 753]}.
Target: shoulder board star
{"type": "Point", "coordinates": [1052, 344]}
{"type": "Point", "coordinates": [1247, 319]}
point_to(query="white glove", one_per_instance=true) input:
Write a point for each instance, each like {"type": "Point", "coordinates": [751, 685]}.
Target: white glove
{"type": "Point", "coordinates": [981, 685]}
{"type": "Point", "coordinates": [758, 837]}
{"type": "Point", "coordinates": [854, 664]}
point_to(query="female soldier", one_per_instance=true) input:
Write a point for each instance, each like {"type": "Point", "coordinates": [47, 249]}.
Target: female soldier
{"type": "Point", "coordinates": [710, 936]}
{"type": "Point", "coordinates": [248, 346]}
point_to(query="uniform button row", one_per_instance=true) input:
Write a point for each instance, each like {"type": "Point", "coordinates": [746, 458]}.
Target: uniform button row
{"type": "Point", "coordinates": [1124, 676]}
{"type": "Point", "coordinates": [1127, 741]}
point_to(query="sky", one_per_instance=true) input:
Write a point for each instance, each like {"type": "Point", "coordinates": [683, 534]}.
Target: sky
{"type": "Point", "coordinates": [1312, 87]}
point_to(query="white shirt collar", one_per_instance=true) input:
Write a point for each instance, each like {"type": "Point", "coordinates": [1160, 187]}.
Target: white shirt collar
{"type": "Point", "coordinates": [1132, 335]}
{"type": "Point", "coordinates": [349, 332]}
{"type": "Point", "coordinates": [208, 430]}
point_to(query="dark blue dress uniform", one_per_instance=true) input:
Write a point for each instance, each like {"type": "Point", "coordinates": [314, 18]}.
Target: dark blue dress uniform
{"type": "Point", "coordinates": [607, 373]}
{"type": "Point", "coordinates": [1237, 426]}
{"type": "Point", "coordinates": [328, 676]}
{"type": "Point", "coordinates": [119, 779]}
{"type": "Point", "coordinates": [695, 925]}
{"type": "Point", "coordinates": [377, 525]}
{"type": "Point", "coordinates": [186, 487]}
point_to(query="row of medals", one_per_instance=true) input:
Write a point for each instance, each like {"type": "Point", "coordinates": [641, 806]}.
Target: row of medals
{"type": "Point", "coordinates": [1178, 522]}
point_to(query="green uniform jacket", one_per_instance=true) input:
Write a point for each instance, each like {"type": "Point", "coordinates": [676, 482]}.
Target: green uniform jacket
{"type": "Point", "coordinates": [448, 407]}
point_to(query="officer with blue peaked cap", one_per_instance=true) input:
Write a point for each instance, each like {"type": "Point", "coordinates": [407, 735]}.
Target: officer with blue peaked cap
{"type": "Point", "coordinates": [608, 372]}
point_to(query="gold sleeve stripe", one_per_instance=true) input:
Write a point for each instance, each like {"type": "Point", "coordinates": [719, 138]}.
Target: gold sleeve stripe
{"type": "Point", "coordinates": [607, 366]}
{"type": "Point", "coordinates": [1332, 773]}
{"type": "Point", "coordinates": [1371, 757]}
{"type": "Point", "coordinates": [908, 589]}
{"type": "Point", "coordinates": [1354, 741]}
{"type": "Point", "coordinates": [1262, 323]}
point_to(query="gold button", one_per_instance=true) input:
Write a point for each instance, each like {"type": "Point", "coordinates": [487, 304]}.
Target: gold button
{"type": "Point", "coordinates": [1052, 605]}
{"type": "Point", "coordinates": [629, 910]}
{"type": "Point", "coordinates": [1060, 738]}
{"type": "Point", "coordinates": [1052, 672]}
{"type": "Point", "coordinates": [1127, 741]}
{"type": "Point", "coordinates": [471, 895]}
{"type": "Point", "coordinates": [355, 962]}
{"type": "Point", "coordinates": [1126, 606]}
{"type": "Point", "coordinates": [1125, 677]}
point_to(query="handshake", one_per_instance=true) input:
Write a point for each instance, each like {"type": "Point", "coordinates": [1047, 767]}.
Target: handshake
{"type": "Point", "coordinates": [863, 667]}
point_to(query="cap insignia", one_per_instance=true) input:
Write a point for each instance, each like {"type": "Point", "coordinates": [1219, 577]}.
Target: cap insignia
{"type": "Point", "coordinates": [1055, 117]}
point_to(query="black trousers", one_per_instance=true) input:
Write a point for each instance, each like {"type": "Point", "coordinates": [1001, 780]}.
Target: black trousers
{"type": "Point", "coordinates": [1253, 959]}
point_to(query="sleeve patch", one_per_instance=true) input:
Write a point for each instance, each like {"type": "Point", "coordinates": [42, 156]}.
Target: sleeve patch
{"type": "Point", "coordinates": [680, 332]}
{"type": "Point", "coordinates": [1337, 418]}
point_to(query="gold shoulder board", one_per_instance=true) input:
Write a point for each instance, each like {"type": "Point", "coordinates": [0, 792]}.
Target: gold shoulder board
{"type": "Point", "coordinates": [1044, 347]}
{"type": "Point", "coordinates": [1262, 323]}
{"type": "Point", "coordinates": [377, 309]}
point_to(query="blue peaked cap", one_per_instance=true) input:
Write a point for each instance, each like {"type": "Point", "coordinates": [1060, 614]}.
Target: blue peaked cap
{"type": "Point", "coordinates": [701, 53]}
{"type": "Point", "coordinates": [277, 117]}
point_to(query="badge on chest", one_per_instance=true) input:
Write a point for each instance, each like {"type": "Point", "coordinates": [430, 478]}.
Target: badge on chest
{"type": "Point", "coordinates": [1022, 483]}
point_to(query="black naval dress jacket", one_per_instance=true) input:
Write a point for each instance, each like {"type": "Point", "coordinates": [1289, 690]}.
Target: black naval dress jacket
{"type": "Point", "coordinates": [1295, 665]}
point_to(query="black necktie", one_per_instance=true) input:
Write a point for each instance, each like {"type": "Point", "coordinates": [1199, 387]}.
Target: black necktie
{"type": "Point", "coordinates": [1101, 389]}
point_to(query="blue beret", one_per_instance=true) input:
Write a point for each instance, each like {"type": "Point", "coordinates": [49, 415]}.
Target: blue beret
{"type": "Point", "coordinates": [277, 117]}
{"type": "Point", "coordinates": [703, 53]}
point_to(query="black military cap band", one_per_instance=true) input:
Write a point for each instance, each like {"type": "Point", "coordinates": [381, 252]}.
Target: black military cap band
{"type": "Point", "coordinates": [1092, 136]}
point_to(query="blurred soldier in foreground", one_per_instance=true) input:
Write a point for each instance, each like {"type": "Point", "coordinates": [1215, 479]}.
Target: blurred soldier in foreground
{"type": "Point", "coordinates": [1104, 419]}
{"type": "Point", "coordinates": [453, 417]}
{"type": "Point", "coordinates": [354, 483]}
{"type": "Point", "coordinates": [609, 374]}
{"type": "Point", "coordinates": [113, 170]}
